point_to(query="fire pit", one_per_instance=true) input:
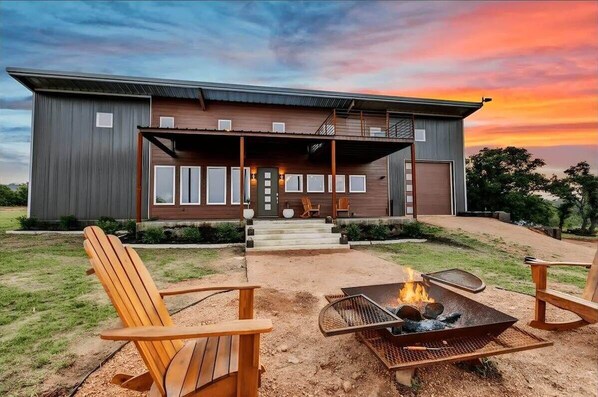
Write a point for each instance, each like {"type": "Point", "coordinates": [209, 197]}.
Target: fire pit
{"type": "Point", "coordinates": [475, 318]}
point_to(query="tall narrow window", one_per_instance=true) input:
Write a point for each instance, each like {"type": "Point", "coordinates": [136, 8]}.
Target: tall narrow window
{"type": "Point", "coordinates": [315, 183]}
{"type": "Point", "coordinates": [278, 127]}
{"type": "Point", "coordinates": [104, 120]}
{"type": "Point", "coordinates": [357, 184]}
{"type": "Point", "coordinates": [234, 185]}
{"type": "Point", "coordinates": [164, 184]}
{"type": "Point", "coordinates": [293, 183]}
{"type": "Point", "coordinates": [190, 185]}
{"type": "Point", "coordinates": [216, 186]}
{"type": "Point", "coordinates": [340, 183]}
{"type": "Point", "coordinates": [225, 125]}
{"type": "Point", "coordinates": [166, 122]}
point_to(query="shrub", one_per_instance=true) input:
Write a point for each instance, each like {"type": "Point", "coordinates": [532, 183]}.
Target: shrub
{"type": "Point", "coordinates": [190, 235]}
{"type": "Point", "coordinates": [130, 226]}
{"type": "Point", "coordinates": [108, 225]}
{"type": "Point", "coordinates": [379, 232]}
{"type": "Point", "coordinates": [68, 222]}
{"type": "Point", "coordinates": [27, 223]}
{"type": "Point", "coordinates": [228, 233]}
{"type": "Point", "coordinates": [353, 232]}
{"type": "Point", "coordinates": [418, 230]}
{"type": "Point", "coordinates": [153, 235]}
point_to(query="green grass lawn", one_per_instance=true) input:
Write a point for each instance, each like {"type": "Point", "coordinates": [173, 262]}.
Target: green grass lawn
{"type": "Point", "coordinates": [47, 301]}
{"type": "Point", "coordinates": [495, 261]}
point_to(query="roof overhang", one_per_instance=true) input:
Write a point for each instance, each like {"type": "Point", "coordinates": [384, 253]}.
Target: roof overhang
{"type": "Point", "coordinates": [72, 82]}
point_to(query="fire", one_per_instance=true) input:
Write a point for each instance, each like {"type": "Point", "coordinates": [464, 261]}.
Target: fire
{"type": "Point", "coordinates": [413, 293]}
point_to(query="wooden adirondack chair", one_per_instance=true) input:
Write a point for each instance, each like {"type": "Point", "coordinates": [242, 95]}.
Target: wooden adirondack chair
{"type": "Point", "coordinates": [218, 359]}
{"type": "Point", "coordinates": [585, 307]}
{"type": "Point", "coordinates": [308, 209]}
{"type": "Point", "coordinates": [343, 206]}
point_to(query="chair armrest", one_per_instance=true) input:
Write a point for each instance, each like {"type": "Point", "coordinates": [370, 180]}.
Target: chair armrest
{"type": "Point", "coordinates": [200, 288]}
{"type": "Point", "coordinates": [539, 262]}
{"type": "Point", "coordinates": [158, 333]}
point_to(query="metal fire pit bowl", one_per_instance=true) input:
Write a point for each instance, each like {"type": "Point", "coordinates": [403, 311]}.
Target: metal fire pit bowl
{"type": "Point", "coordinates": [476, 319]}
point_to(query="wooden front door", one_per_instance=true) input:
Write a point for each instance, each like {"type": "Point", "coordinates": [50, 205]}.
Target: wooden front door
{"type": "Point", "coordinates": [267, 192]}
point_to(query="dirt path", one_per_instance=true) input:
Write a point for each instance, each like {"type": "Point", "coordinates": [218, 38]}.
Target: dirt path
{"type": "Point", "coordinates": [535, 244]}
{"type": "Point", "coordinates": [301, 362]}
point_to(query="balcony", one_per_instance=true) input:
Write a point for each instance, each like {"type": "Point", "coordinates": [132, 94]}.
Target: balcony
{"type": "Point", "coordinates": [364, 124]}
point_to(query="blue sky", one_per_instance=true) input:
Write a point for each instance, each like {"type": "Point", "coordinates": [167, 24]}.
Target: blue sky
{"type": "Point", "coordinates": [531, 57]}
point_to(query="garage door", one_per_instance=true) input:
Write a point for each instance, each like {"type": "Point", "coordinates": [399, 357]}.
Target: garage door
{"type": "Point", "coordinates": [434, 189]}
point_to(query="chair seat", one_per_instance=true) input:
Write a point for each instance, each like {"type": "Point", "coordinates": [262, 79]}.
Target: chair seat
{"type": "Point", "coordinates": [200, 363]}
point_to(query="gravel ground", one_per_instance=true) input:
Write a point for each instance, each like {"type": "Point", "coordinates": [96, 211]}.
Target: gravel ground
{"type": "Point", "coordinates": [299, 361]}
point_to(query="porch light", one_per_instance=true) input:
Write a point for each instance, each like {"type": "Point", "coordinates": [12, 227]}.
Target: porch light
{"type": "Point", "coordinates": [253, 176]}
{"type": "Point", "coordinates": [281, 177]}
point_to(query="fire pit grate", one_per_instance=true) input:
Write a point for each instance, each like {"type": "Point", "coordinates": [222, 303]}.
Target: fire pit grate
{"type": "Point", "coordinates": [396, 357]}
{"type": "Point", "coordinates": [348, 314]}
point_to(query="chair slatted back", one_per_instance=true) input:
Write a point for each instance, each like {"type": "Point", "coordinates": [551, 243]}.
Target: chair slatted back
{"type": "Point", "coordinates": [134, 296]}
{"type": "Point", "coordinates": [343, 203]}
{"type": "Point", "coordinates": [590, 292]}
{"type": "Point", "coordinates": [306, 203]}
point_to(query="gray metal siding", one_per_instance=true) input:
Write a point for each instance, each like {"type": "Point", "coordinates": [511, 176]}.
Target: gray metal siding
{"type": "Point", "coordinates": [81, 170]}
{"type": "Point", "coordinates": [444, 142]}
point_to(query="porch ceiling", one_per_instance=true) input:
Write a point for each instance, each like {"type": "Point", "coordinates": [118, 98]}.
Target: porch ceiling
{"type": "Point", "coordinates": [348, 148]}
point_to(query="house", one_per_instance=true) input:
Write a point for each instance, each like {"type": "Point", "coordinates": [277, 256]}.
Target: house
{"type": "Point", "coordinates": [131, 147]}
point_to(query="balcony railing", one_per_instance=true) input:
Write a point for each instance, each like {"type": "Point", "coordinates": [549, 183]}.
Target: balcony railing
{"type": "Point", "coordinates": [367, 124]}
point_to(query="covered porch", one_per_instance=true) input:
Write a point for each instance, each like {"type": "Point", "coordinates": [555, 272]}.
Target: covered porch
{"type": "Point", "coordinates": [330, 157]}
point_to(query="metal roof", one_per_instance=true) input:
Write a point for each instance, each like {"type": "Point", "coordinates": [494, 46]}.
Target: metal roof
{"type": "Point", "coordinates": [45, 80]}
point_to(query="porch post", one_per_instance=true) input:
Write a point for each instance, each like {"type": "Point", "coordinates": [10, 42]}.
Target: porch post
{"type": "Point", "coordinates": [241, 175]}
{"type": "Point", "coordinates": [414, 180]}
{"type": "Point", "coordinates": [333, 172]}
{"type": "Point", "coordinates": [139, 176]}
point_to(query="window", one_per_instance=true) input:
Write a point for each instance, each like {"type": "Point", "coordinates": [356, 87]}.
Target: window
{"type": "Point", "coordinates": [216, 186]}
{"type": "Point", "coordinates": [234, 185]}
{"type": "Point", "coordinates": [225, 125]}
{"type": "Point", "coordinates": [190, 185]}
{"type": "Point", "coordinates": [315, 183]}
{"type": "Point", "coordinates": [166, 122]}
{"type": "Point", "coordinates": [278, 127]}
{"type": "Point", "coordinates": [164, 185]}
{"type": "Point", "coordinates": [340, 183]}
{"type": "Point", "coordinates": [377, 131]}
{"type": "Point", "coordinates": [103, 120]}
{"type": "Point", "coordinates": [357, 184]}
{"type": "Point", "coordinates": [293, 183]}
{"type": "Point", "coordinates": [420, 135]}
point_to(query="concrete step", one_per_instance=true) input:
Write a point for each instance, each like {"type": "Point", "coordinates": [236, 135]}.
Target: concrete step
{"type": "Point", "coordinates": [295, 236]}
{"type": "Point", "coordinates": [289, 221]}
{"type": "Point", "coordinates": [316, 241]}
{"type": "Point", "coordinates": [304, 247]}
{"type": "Point", "coordinates": [277, 231]}
{"type": "Point", "coordinates": [265, 226]}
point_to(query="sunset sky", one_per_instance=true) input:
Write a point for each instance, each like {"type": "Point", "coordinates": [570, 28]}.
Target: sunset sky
{"type": "Point", "coordinates": [537, 60]}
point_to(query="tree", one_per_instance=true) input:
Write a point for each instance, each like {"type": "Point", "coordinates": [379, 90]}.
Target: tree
{"type": "Point", "coordinates": [578, 189]}
{"type": "Point", "coordinates": [9, 197]}
{"type": "Point", "coordinates": [505, 179]}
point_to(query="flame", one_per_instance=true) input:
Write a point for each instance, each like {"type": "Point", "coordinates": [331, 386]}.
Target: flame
{"type": "Point", "coordinates": [413, 293]}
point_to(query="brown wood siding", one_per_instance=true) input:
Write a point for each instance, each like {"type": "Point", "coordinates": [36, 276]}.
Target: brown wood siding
{"type": "Point", "coordinates": [289, 158]}
{"type": "Point", "coordinates": [434, 188]}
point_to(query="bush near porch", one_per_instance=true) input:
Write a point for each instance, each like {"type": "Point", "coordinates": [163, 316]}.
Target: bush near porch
{"type": "Point", "coordinates": [380, 231]}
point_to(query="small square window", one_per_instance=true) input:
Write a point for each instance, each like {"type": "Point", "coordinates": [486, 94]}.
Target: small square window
{"type": "Point", "coordinates": [315, 183]}
{"type": "Point", "coordinates": [293, 183]}
{"type": "Point", "coordinates": [166, 122]}
{"type": "Point", "coordinates": [278, 127]}
{"type": "Point", "coordinates": [225, 125]}
{"type": "Point", "coordinates": [420, 135]}
{"type": "Point", "coordinates": [357, 184]}
{"type": "Point", "coordinates": [377, 132]}
{"type": "Point", "coordinates": [103, 120]}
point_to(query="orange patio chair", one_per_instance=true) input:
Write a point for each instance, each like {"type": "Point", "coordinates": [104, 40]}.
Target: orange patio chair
{"type": "Point", "coordinates": [308, 209]}
{"type": "Point", "coordinates": [343, 206]}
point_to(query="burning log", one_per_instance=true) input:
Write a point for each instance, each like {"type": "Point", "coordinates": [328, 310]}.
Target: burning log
{"type": "Point", "coordinates": [408, 312]}
{"type": "Point", "coordinates": [433, 309]}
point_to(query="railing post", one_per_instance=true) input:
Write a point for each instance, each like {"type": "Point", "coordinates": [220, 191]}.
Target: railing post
{"type": "Point", "coordinates": [361, 119]}
{"type": "Point", "coordinates": [333, 175]}
{"type": "Point", "coordinates": [413, 173]}
{"type": "Point", "coordinates": [387, 125]}
{"type": "Point", "coordinates": [334, 121]}
{"type": "Point", "coordinates": [139, 176]}
{"type": "Point", "coordinates": [241, 174]}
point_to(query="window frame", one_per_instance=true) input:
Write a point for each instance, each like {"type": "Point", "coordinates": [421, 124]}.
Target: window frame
{"type": "Point", "coordinates": [365, 189]}
{"type": "Point", "coordinates": [344, 183]}
{"type": "Point", "coordinates": [208, 184]}
{"type": "Point", "coordinates": [225, 129]}
{"type": "Point", "coordinates": [284, 127]}
{"type": "Point", "coordinates": [247, 185]}
{"type": "Point", "coordinates": [377, 132]}
{"type": "Point", "coordinates": [420, 130]}
{"type": "Point", "coordinates": [173, 168]}
{"type": "Point", "coordinates": [323, 184]}
{"type": "Point", "coordinates": [181, 184]}
{"type": "Point", "coordinates": [166, 117]}
{"type": "Point", "coordinates": [104, 126]}
{"type": "Point", "coordinates": [300, 183]}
